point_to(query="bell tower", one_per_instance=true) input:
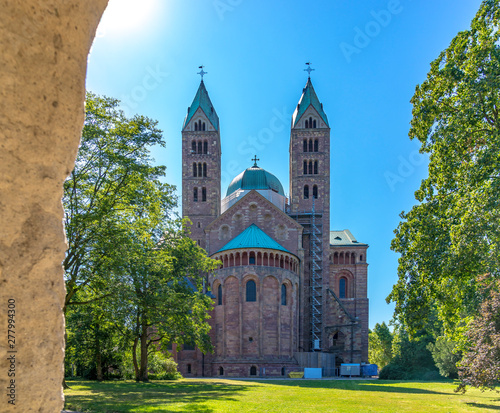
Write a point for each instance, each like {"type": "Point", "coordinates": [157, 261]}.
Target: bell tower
{"type": "Point", "coordinates": [201, 164]}
{"type": "Point", "coordinates": [310, 206]}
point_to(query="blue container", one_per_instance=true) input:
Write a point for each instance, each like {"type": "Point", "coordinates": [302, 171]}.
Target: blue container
{"type": "Point", "coordinates": [368, 370]}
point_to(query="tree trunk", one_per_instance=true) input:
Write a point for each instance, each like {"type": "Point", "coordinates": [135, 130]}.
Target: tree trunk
{"type": "Point", "coordinates": [134, 359]}
{"type": "Point", "coordinates": [144, 350]}
{"type": "Point", "coordinates": [98, 358]}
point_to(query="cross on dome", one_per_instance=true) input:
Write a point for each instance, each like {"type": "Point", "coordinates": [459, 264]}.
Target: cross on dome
{"type": "Point", "coordinates": [255, 160]}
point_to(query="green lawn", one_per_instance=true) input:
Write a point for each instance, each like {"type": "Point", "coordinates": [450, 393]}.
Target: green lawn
{"type": "Point", "coordinates": [303, 396]}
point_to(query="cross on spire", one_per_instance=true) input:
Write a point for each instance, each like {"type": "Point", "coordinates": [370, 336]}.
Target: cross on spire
{"type": "Point", "coordinates": [201, 72]}
{"type": "Point", "coordinates": [255, 160]}
{"type": "Point", "coordinates": [309, 69]}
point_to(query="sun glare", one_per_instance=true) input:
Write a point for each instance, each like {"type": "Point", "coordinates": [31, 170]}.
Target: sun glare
{"type": "Point", "coordinates": [126, 15]}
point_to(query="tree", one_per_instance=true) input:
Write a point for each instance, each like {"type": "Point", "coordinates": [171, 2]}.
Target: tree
{"type": "Point", "coordinates": [445, 356]}
{"type": "Point", "coordinates": [452, 236]}
{"type": "Point", "coordinates": [113, 179]}
{"type": "Point", "coordinates": [380, 345]}
{"type": "Point", "coordinates": [480, 366]}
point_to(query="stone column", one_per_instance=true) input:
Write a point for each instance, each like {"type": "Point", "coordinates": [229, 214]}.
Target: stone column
{"type": "Point", "coordinates": [43, 64]}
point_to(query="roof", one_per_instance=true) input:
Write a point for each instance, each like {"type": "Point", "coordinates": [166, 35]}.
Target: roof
{"type": "Point", "coordinates": [203, 102]}
{"type": "Point", "coordinates": [253, 237]}
{"type": "Point", "coordinates": [307, 99]}
{"type": "Point", "coordinates": [344, 238]}
{"type": "Point", "coordinates": [255, 178]}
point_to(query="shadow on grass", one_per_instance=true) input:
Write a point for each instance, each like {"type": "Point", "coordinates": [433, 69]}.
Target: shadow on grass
{"type": "Point", "coordinates": [359, 385]}
{"type": "Point", "coordinates": [483, 406]}
{"type": "Point", "coordinates": [160, 397]}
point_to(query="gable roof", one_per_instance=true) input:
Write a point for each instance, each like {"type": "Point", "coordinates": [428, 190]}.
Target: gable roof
{"type": "Point", "coordinates": [307, 99]}
{"type": "Point", "coordinates": [253, 237]}
{"type": "Point", "coordinates": [344, 238]}
{"type": "Point", "coordinates": [245, 198]}
{"type": "Point", "coordinates": [202, 101]}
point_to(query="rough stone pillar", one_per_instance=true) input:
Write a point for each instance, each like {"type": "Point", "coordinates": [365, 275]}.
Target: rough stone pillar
{"type": "Point", "coordinates": [44, 46]}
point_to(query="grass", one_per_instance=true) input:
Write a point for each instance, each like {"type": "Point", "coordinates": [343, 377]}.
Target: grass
{"type": "Point", "coordinates": [302, 396]}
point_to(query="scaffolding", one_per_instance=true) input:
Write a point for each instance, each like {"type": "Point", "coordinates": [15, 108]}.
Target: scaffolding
{"type": "Point", "coordinates": [312, 222]}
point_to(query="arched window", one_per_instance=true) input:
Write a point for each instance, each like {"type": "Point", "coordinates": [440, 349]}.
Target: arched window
{"type": "Point", "coordinates": [199, 147]}
{"type": "Point", "coordinates": [283, 371]}
{"type": "Point", "coordinates": [195, 194]}
{"type": "Point", "coordinates": [361, 257]}
{"type": "Point", "coordinates": [203, 126]}
{"type": "Point", "coordinates": [195, 169]}
{"type": "Point", "coordinates": [205, 147]}
{"type": "Point", "coordinates": [221, 371]}
{"type": "Point", "coordinates": [199, 125]}
{"type": "Point", "coordinates": [251, 259]}
{"type": "Point", "coordinates": [307, 124]}
{"type": "Point", "coordinates": [310, 123]}
{"type": "Point", "coordinates": [342, 288]}
{"type": "Point", "coordinates": [315, 167]}
{"type": "Point", "coordinates": [310, 145]}
{"type": "Point", "coordinates": [203, 194]}
{"type": "Point", "coordinates": [315, 191]}
{"type": "Point", "coordinates": [195, 126]}
{"type": "Point", "coordinates": [310, 167]}
{"type": "Point", "coordinates": [219, 294]}
{"type": "Point", "coordinates": [316, 145]}
{"type": "Point", "coordinates": [204, 170]}
{"type": "Point", "coordinates": [251, 291]}
{"type": "Point", "coordinates": [306, 192]}
{"type": "Point", "coordinates": [200, 173]}
{"type": "Point", "coordinates": [305, 168]}
{"type": "Point", "coordinates": [314, 124]}
{"type": "Point", "coordinates": [253, 371]}
{"type": "Point", "coordinates": [283, 294]}
{"type": "Point", "coordinates": [305, 145]}
{"type": "Point", "coordinates": [353, 259]}
{"type": "Point", "coordinates": [193, 147]}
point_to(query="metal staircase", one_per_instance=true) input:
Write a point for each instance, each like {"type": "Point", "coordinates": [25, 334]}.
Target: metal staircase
{"type": "Point", "coordinates": [316, 289]}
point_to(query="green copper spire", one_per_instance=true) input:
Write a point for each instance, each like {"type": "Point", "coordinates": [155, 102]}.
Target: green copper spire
{"type": "Point", "coordinates": [307, 99]}
{"type": "Point", "coordinates": [203, 102]}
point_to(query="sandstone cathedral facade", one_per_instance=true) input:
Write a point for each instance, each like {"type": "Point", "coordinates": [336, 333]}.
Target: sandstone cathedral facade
{"type": "Point", "coordinates": [290, 293]}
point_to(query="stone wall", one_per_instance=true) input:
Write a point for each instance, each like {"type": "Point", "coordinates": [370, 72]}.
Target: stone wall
{"type": "Point", "coordinates": [42, 72]}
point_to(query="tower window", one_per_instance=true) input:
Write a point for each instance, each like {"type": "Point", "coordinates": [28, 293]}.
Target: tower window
{"type": "Point", "coordinates": [310, 167]}
{"type": "Point", "coordinates": [305, 168]}
{"type": "Point", "coordinates": [314, 124]}
{"type": "Point", "coordinates": [189, 368]}
{"type": "Point", "coordinates": [219, 295]}
{"type": "Point", "coordinates": [306, 192]}
{"type": "Point", "coordinates": [307, 124]}
{"type": "Point", "coordinates": [315, 191]}
{"type": "Point", "coordinates": [195, 174]}
{"type": "Point", "coordinates": [195, 126]}
{"type": "Point", "coordinates": [204, 170]}
{"type": "Point", "coordinates": [203, 194]}
{"type": "Point", "coordinates": [310, 145]}
{"type": "Point", "coordinates": [193, 147]}
{"type": "Point", "coordinates": [203, 126]}
{"type": "Point", "coordinates": [199, 147]}
{"type": "Point", "coordinates": [205, 147]}
{"type": "Point", "coordinates": [316, 145]}
{"type": "Point", "coordinates": [315, 167]}
{"type": "Point", "coordinates": [199, 170]}
{"type": "Point", "coordinates": [310, 123]}
{"type": "Point", "coordinates": [195, 194]}
{"type": "Point", "coordinates": [342, 287]}
{"type": "Point", "coordinates": [199, 125]}
{"type": "Point", "coordinates": [251, 291]}
{"type": "Point", "coordinates": [283, 294]}
{"type": "Point", "coordinates": [305, 145]}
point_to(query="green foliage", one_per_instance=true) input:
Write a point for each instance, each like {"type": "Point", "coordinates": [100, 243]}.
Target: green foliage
{"type": "Point", "coordinates": [380, 345]}
{"type": "Point", "coordinates": [443, 353]}
{"type": "Point", "coordinates": [411, 358]}
{"type": "Point", "coordinates": [452, 235]}
{"type": "Point", "coordinates": [163, 367]}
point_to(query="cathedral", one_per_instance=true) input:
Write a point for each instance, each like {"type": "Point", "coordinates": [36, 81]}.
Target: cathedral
{"type": "Point", "coordinates": [289, 293]}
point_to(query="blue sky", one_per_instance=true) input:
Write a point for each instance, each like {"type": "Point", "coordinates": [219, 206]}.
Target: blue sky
{"type": "Point", "coordinates": [368, 57]}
